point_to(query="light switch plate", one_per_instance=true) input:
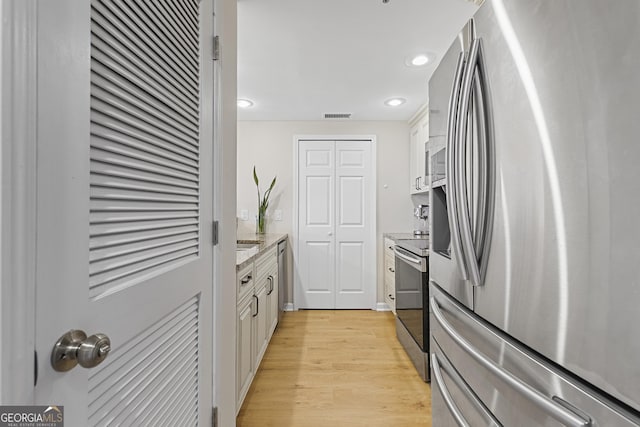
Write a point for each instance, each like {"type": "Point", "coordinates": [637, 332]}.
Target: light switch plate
{"type": "Point", "coordinates": [244, 215]}
{"type": "Point", "coordinates": [277, 215]}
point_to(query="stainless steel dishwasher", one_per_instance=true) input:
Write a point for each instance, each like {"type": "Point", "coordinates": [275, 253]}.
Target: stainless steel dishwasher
{"type": "Point", "coordinates": [283, 296]}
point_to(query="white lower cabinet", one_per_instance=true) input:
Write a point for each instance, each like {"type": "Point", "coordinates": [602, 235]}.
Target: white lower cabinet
{"type": "Point", "coordinates": [262, 327]}
{"type": "Point", "coordinates": [389, 274]}
{"type": "Point", "coordinates": [272, 303]}
{"type": "Point", "coordinates": [245, 347]}
{"type": "Point", "coordinates": [257, 317]}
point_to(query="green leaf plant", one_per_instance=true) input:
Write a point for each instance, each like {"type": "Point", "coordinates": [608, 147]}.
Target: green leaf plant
{"type": "Point", "coordinates": [263, 202]}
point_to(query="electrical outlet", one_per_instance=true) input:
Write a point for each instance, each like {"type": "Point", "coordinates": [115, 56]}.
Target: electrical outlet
{"type": "Point", "coordinates": [244, 215]}
{"type": "Point", "coordinates": [277, 215]}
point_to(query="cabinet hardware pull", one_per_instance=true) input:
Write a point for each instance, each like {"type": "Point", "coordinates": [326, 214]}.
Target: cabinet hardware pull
{"type": "Point", "coordinates": [246, 279]}
{"type": "Point", "coordinates": [257, 306]}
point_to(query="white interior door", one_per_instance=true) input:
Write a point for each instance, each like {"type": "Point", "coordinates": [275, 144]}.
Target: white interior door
{"type": "Point", "coordinates": [354, 265]}
{"type": "Point", "coordinates": [125, 207]}
{"type": "Point", "coordinates": [336, 225]}
{"type": "Point", "coordinates": [316, 224]}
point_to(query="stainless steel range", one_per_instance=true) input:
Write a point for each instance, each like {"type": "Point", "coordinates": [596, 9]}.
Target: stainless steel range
{"type": "Point", "coordinates": [412, 296]}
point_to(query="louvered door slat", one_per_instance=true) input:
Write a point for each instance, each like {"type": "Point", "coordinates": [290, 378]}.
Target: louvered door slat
{"type": "Point", "coordinates": [134, 118]}
{"type": "Point", "coordinates": [173, 370]}
{"type": "Point", "coordinates": [153, 372]}
{"type": "Point", "coordinates": [185, 38]}
{"type": "Point", "coordinates": [126, 13]}
{"type": "Point", "coordinates": [110, 170]}
{"type": "Point", "coordinates": [109, 95]}
{"type": "Point", "coordinates": [122, 92]}
{"type": "Point", "coordinates": [125, 362]}
{"type": "Point", "coordinates": [127, 382]}
{"type": "Point", "coordinates": [145, 144]}
{"type": "Point", "coordinates": [126, 22]}
{"type": "Point", "coordinates": [181, 17]}
{"type": "Point", "coordinates": [124, 184]}
{"type": "Point", "coordinates": [109, 282]}
{"type": "Point", "coordinates": [132, 152]}
{"type": "Point", "coordinates": [140, 66]}
{"type": "Point", "coordinates": [154, 85]}
{"type": "Point", "coordinates": [110, 218]}
{"type": "Point", "coordinates": [98, 191]}
{"type": "Point", "coordinates": [162, 34]}
{"type": "Point", "coordinates": [178, 381]}
{"type": "Point", "coordinates": [144, 183]}
{"type": "Point", "coordinates": [137, 165]}
{"type": "Point", "coordinates": [134, 41]}
{"type": "Point", "coordinates": [108, 241]}
{"type": "Point", "coordinates": [119, 251]}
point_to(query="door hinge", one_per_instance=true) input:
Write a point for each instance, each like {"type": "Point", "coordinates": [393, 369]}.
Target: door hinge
{"type": "Point", "coordinates": [215, 233]}
{"type": "Point", "coordinates": [214, 417]}
{"type": "Point", "coordinates": [216, 48]}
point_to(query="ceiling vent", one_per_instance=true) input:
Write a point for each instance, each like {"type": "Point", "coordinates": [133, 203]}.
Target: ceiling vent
{"type": "Point", "coordinates": [337, 115]}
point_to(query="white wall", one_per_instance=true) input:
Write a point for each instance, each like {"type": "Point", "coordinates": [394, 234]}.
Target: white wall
{"type": "Point", "coordinates": [269, 146]}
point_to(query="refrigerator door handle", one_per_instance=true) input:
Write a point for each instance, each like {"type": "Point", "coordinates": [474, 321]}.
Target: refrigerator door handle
{"type": "Point", "coordinates": [490, 420]}
{"type": "Point", "coordinates": [559, 412]}
{"type": "Point", "coordinates": [448, 400]}
{"type": "Point", "coordinates": [487, 162]}
{"type": "Point", "coordinates": [456, 245]}
{"type": "Point", "coordinates": [462, 207]}
{"type": "Point", "coordinates": [475, 81]}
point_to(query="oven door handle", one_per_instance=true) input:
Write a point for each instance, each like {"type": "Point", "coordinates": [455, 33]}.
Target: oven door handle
{"type": "Point", "coordinates": [406, 256]}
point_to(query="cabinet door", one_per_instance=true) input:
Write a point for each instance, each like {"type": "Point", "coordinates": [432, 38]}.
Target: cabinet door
{"type": "Point", "coordinates": [414, 175]}
{"type": "Point", "coordinates": [272, 302]}
{"type": "Point", "coordinates": [422, 147]}
{"type": "Point", "coordinates": [245, 367]}
{"type": "Point", "coordinates": [389, 281]}
{"type": "Point", "coordinates": [260, 321]}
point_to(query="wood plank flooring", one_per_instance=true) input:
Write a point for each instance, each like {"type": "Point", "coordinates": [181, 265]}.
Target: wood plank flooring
{"type": "Point", "coordinates": [336, 368]}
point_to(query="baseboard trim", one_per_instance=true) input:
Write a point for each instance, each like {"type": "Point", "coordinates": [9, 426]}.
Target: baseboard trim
{"type": "Point", "coordinates": [382, 306]}
{"type": "Point", "coordinates": [289, 307]}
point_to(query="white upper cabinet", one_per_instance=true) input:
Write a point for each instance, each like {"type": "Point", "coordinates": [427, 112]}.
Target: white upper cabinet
{"type": "Point", "coordinates": [418, 161]}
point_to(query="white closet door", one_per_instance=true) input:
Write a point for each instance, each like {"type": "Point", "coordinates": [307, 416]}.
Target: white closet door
{"type": "Point", "coordinates": [125, 207]}
{"type": "Point", "coordinates": [354, 282]}
{"type": "Point", "coordinates": [336, 248]}
{"type": "Point", "coordinates": [316, 223]}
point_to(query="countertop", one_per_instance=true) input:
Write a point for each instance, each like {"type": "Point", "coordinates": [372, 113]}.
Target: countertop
{"type": "Point", "coordinates": [263, 242]}
{"type": "Point", "coordinates": [404, 236]}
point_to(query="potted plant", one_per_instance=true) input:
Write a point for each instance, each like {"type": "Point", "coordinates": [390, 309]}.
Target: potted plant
{"type": "Point", "coordinates": [263, 203]}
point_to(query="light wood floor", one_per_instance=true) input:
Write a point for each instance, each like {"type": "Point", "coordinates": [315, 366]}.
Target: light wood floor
{"type": "Point", "coordinates": [336, 368]}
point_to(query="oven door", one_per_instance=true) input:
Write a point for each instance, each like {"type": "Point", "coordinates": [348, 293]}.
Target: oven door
{"type": "Point", "coordinates": [412, 295]}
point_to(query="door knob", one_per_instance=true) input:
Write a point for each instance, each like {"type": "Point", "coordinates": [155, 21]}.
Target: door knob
{"type": "Point", "coordinates": [75, 348]}
{"type": "Point", "coordinates": [330, 234]}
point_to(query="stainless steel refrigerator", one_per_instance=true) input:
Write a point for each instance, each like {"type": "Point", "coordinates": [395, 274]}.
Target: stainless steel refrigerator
{"type": "Point", "coordinates": [535, 256]}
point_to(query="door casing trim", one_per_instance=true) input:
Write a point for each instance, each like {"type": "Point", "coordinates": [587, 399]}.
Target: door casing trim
{"type": "Point", "coordinates": [18, 146]}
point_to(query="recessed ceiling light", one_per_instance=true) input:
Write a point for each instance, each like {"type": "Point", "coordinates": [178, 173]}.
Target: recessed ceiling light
{"type": "Point", "coordinates": [419, 60]}
{"type": "Point", "coordinates": [245, 103]}
{"type": "Point", "coordinates": [394, 102]}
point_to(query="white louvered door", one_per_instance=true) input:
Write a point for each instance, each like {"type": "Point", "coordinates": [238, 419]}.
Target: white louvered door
{"type": "Point", "coordinates": [125, 96]}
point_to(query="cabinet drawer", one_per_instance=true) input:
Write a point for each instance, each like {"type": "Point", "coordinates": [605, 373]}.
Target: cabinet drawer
{"type": "Point", "coordinates": [390, 266]}
{"type": "Point", "coordinates": [388, 247]}
{"type": "Point", "coordinates": [244, 281]}
{"type": "Point", "coordinates": [266, 262]}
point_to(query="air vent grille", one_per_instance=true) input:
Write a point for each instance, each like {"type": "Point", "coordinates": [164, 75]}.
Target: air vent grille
{"type": "Point", "coordinates": [337, 115]}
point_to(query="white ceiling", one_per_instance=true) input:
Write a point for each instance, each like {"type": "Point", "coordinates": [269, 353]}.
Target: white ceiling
{"type": "Point", "coordinates": [299, 59]}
